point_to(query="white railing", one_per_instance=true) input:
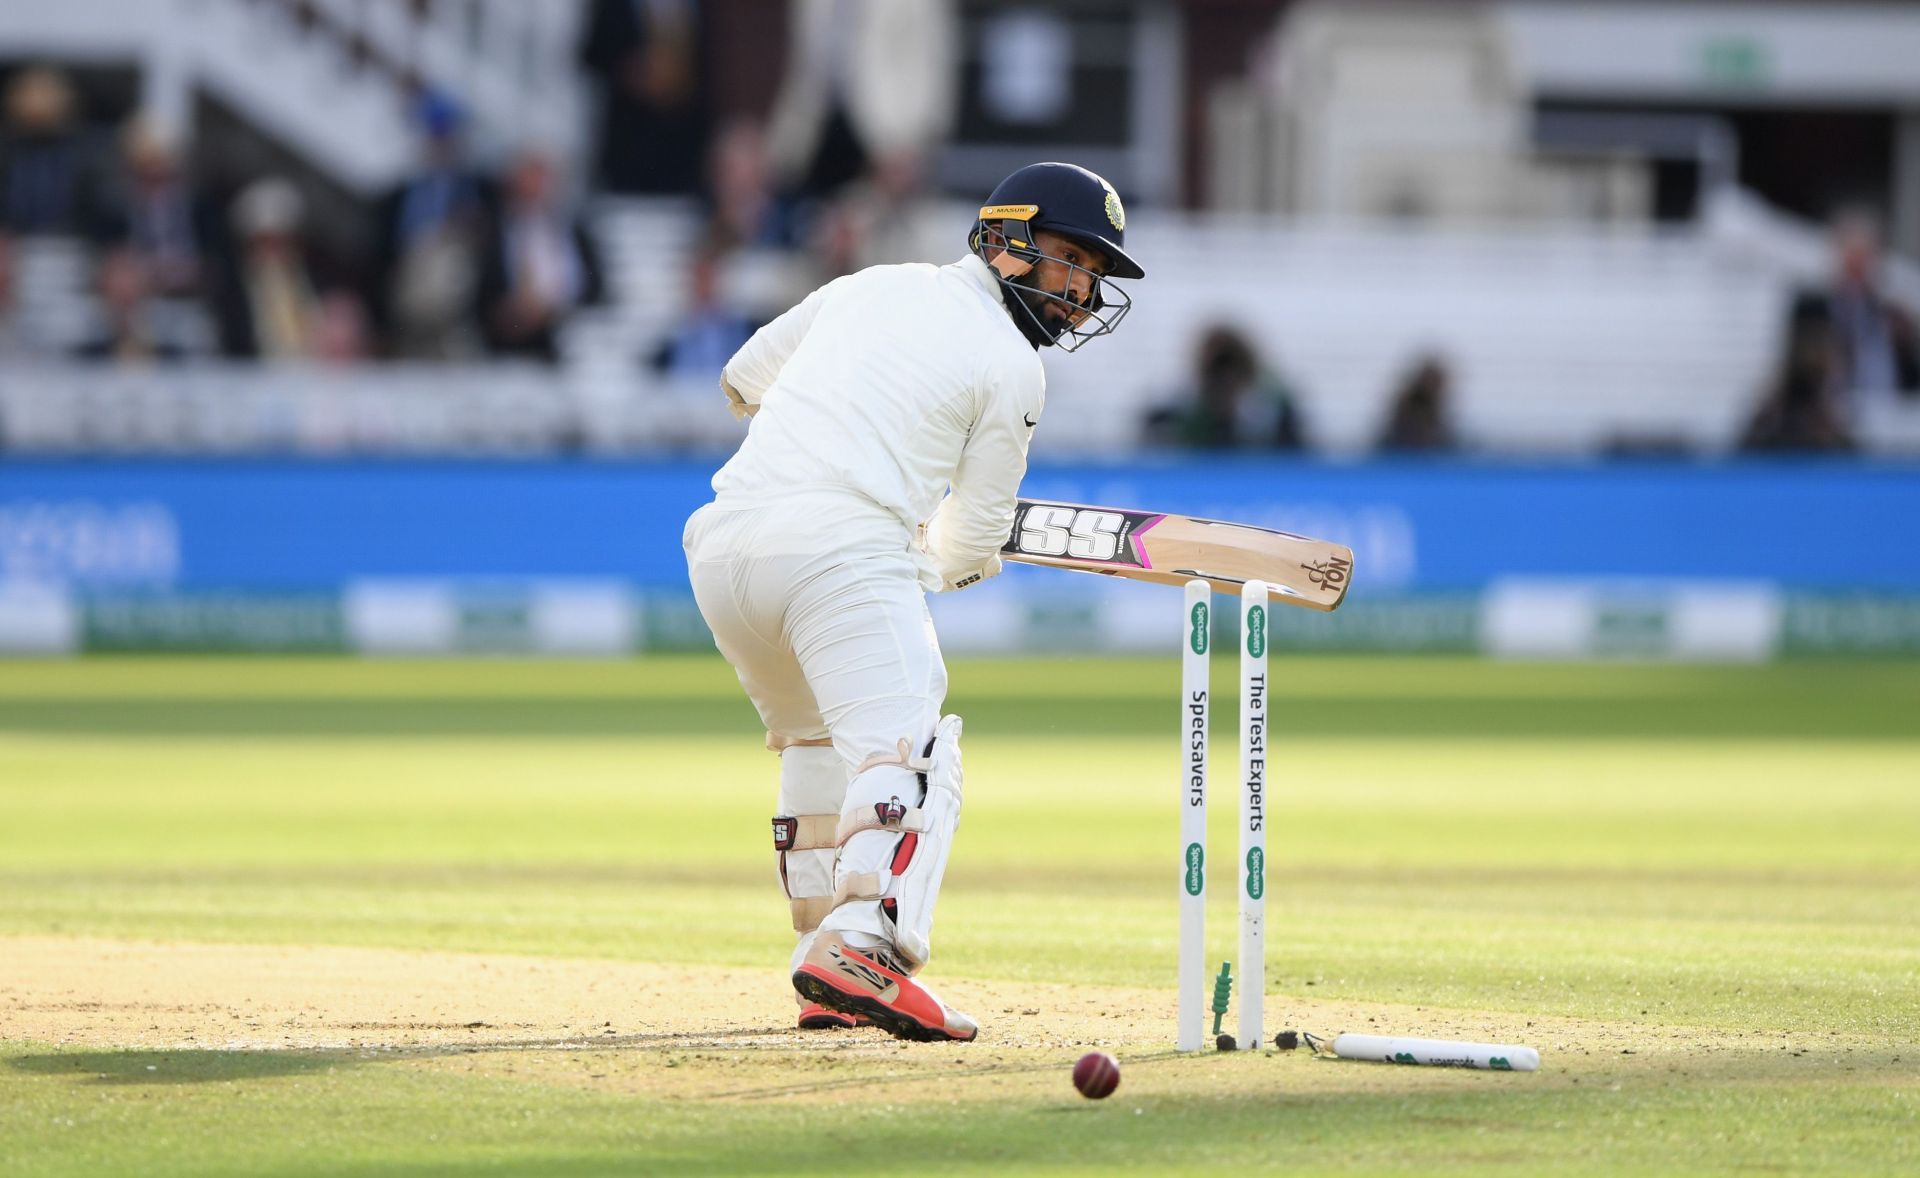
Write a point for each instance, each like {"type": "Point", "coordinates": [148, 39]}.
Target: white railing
{"type": "Point", "coordinates": [214, 408]}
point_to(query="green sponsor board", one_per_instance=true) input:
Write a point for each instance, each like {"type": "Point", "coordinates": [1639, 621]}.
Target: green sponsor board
{"type": "Point", "coordinates": [493, 622]}
{"type": "Point", "coordinates": [214, 622]}
{"type": "Point", "coordinates": [1437, 624]}
{"type": "Point", "coordinates": [1631, 628]}
{"type": "Point", "coordinates": [1847, 624]}
{"type": "Point", "coordinates": [1445, 624]}
{"type": "Point", "coordinates": [1852, 624]}
{"type": "Point", "coordinates": [1066, 625]}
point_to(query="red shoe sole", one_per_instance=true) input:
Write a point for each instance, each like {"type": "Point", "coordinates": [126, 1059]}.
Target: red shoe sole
{"type": "Point", "coordinates": [831, 1020]}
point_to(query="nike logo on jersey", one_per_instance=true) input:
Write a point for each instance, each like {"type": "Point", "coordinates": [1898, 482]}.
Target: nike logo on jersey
{"type": "Point", "coordinates": [1028, 418]}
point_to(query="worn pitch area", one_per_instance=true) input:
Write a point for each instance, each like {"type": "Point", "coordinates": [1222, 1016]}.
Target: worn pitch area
{"type": "Point", "coordinates": [706, 1033]}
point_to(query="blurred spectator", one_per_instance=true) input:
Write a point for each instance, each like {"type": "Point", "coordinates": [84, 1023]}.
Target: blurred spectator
{"type": "Point", "coordinates": [1233, 404]}
{"type": "Point", "coordinates": [832, 247]}
{"type": "Point", "coordinates": [867, 82]}
{"type": "Point", "coordinates": [132, 331]}
{"type": "Point", "coordinates": [428, 243]}
{"type": "Point", "coordinates": [881, 219]}
{"type": "Point", "coordinates": [162, 220]}
{"type": "Point", "coordinates": [49, 176]}
{"type": "Point", "coordinates": [540, 265]}
{"type": "Point", "coordinates": [1799, 412]}
{"type": "Point", "coordinates": [709, 331]}
{"type": "Point", "coordinates": [340, 329]}
{"type": "Point", "coordinates": [1420, 420]}
{"type": "Point", "coordinates": [648, 57]}
{"type": "Point", "coordinates": [740, 190]}
{"type": "Point", "coordinates": [893, 221]}
{"type": "Point", "coordinates": [271, 304]}
{"type": "Point", "coordinates": [1877, 350]}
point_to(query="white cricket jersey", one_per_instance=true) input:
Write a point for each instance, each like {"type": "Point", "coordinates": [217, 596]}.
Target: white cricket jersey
{"type": "Point", "coordinates": [896, 383]}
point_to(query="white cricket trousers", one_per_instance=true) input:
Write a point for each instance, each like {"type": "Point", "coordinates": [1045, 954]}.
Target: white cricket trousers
{"type": "Point", "coordinates": [816, 601]}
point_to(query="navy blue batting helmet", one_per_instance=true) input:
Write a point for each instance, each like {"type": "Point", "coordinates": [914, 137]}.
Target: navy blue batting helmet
{"type": "Point", "coordinates": [1071, 201]}
{"type": "Point", "coordinates": [1079, 205]}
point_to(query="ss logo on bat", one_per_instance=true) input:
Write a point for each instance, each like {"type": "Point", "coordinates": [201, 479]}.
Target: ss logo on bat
{"type": "Point", "coordinates": [1081, 532]}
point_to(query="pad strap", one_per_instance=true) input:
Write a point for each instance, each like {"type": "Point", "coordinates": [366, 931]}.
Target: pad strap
{"type": "Point", "coordinates": [806, 832]}
{"type": "Point", "coordinates": [901, 756]}
{"type": "Point", "coordinates": [777, 743]}
{"type": "Point", "coordinates": [809, 911]}
{"type": "Point", "coordinates": [864, 885]}
{"type": "Point", "coordinates": [883, 816]}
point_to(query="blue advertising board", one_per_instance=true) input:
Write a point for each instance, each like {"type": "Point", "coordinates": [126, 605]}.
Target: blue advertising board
{"type": "Point", "coordinates": [1416, 527]}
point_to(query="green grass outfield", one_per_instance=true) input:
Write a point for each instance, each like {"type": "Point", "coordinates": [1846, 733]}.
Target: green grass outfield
{"type": "Point", "coordinates": [1635, 856]}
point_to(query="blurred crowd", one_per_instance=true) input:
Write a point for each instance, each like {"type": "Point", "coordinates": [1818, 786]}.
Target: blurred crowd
{"type": "Point", "coordinates": [833, 180]}
{"type": "Point", "coordinates": [1236, 401]}
{"type": "Point", "coordinates": [468, 258]}
{"type": "Point", "coordinates": [1848, 350]}
{"type": "Point", "coordinates": [462, 260]}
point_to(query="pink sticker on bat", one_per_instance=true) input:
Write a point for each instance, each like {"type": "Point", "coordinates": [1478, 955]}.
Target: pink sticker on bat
{"type": "Point", "coordinates": [1133, 538]}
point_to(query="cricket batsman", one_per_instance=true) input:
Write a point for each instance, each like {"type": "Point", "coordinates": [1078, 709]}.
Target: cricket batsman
{"type": "Point", "coordinates": [891, 412]}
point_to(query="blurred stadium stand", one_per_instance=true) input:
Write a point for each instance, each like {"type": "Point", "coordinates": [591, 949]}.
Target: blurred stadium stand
{"type": "Point", "coordinates": [1604, 224]}
{"type": "Point", "coordinates": [1410, 111]}
{"type": "Point", "coordinates": [1381, 181]}
{"type": "Point", "coordinates": [1564, 341]}
{"type": "Point", "coordinates": [329, 78]}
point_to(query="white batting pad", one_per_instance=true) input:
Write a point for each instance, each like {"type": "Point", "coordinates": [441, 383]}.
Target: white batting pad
{"type": "Point", "coordinates": [901, 857]}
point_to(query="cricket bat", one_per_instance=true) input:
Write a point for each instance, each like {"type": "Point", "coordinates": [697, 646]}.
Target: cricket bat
{"type": "Point", "coordinates": [1175, 549]}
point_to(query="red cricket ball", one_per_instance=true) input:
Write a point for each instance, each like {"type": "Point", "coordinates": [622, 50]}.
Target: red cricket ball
{"type": "Point", "coordinates": [1096, 1075]}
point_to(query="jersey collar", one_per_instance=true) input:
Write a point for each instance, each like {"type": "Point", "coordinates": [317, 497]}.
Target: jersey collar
{"type": "Point", "coordinates": [978, 273]}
